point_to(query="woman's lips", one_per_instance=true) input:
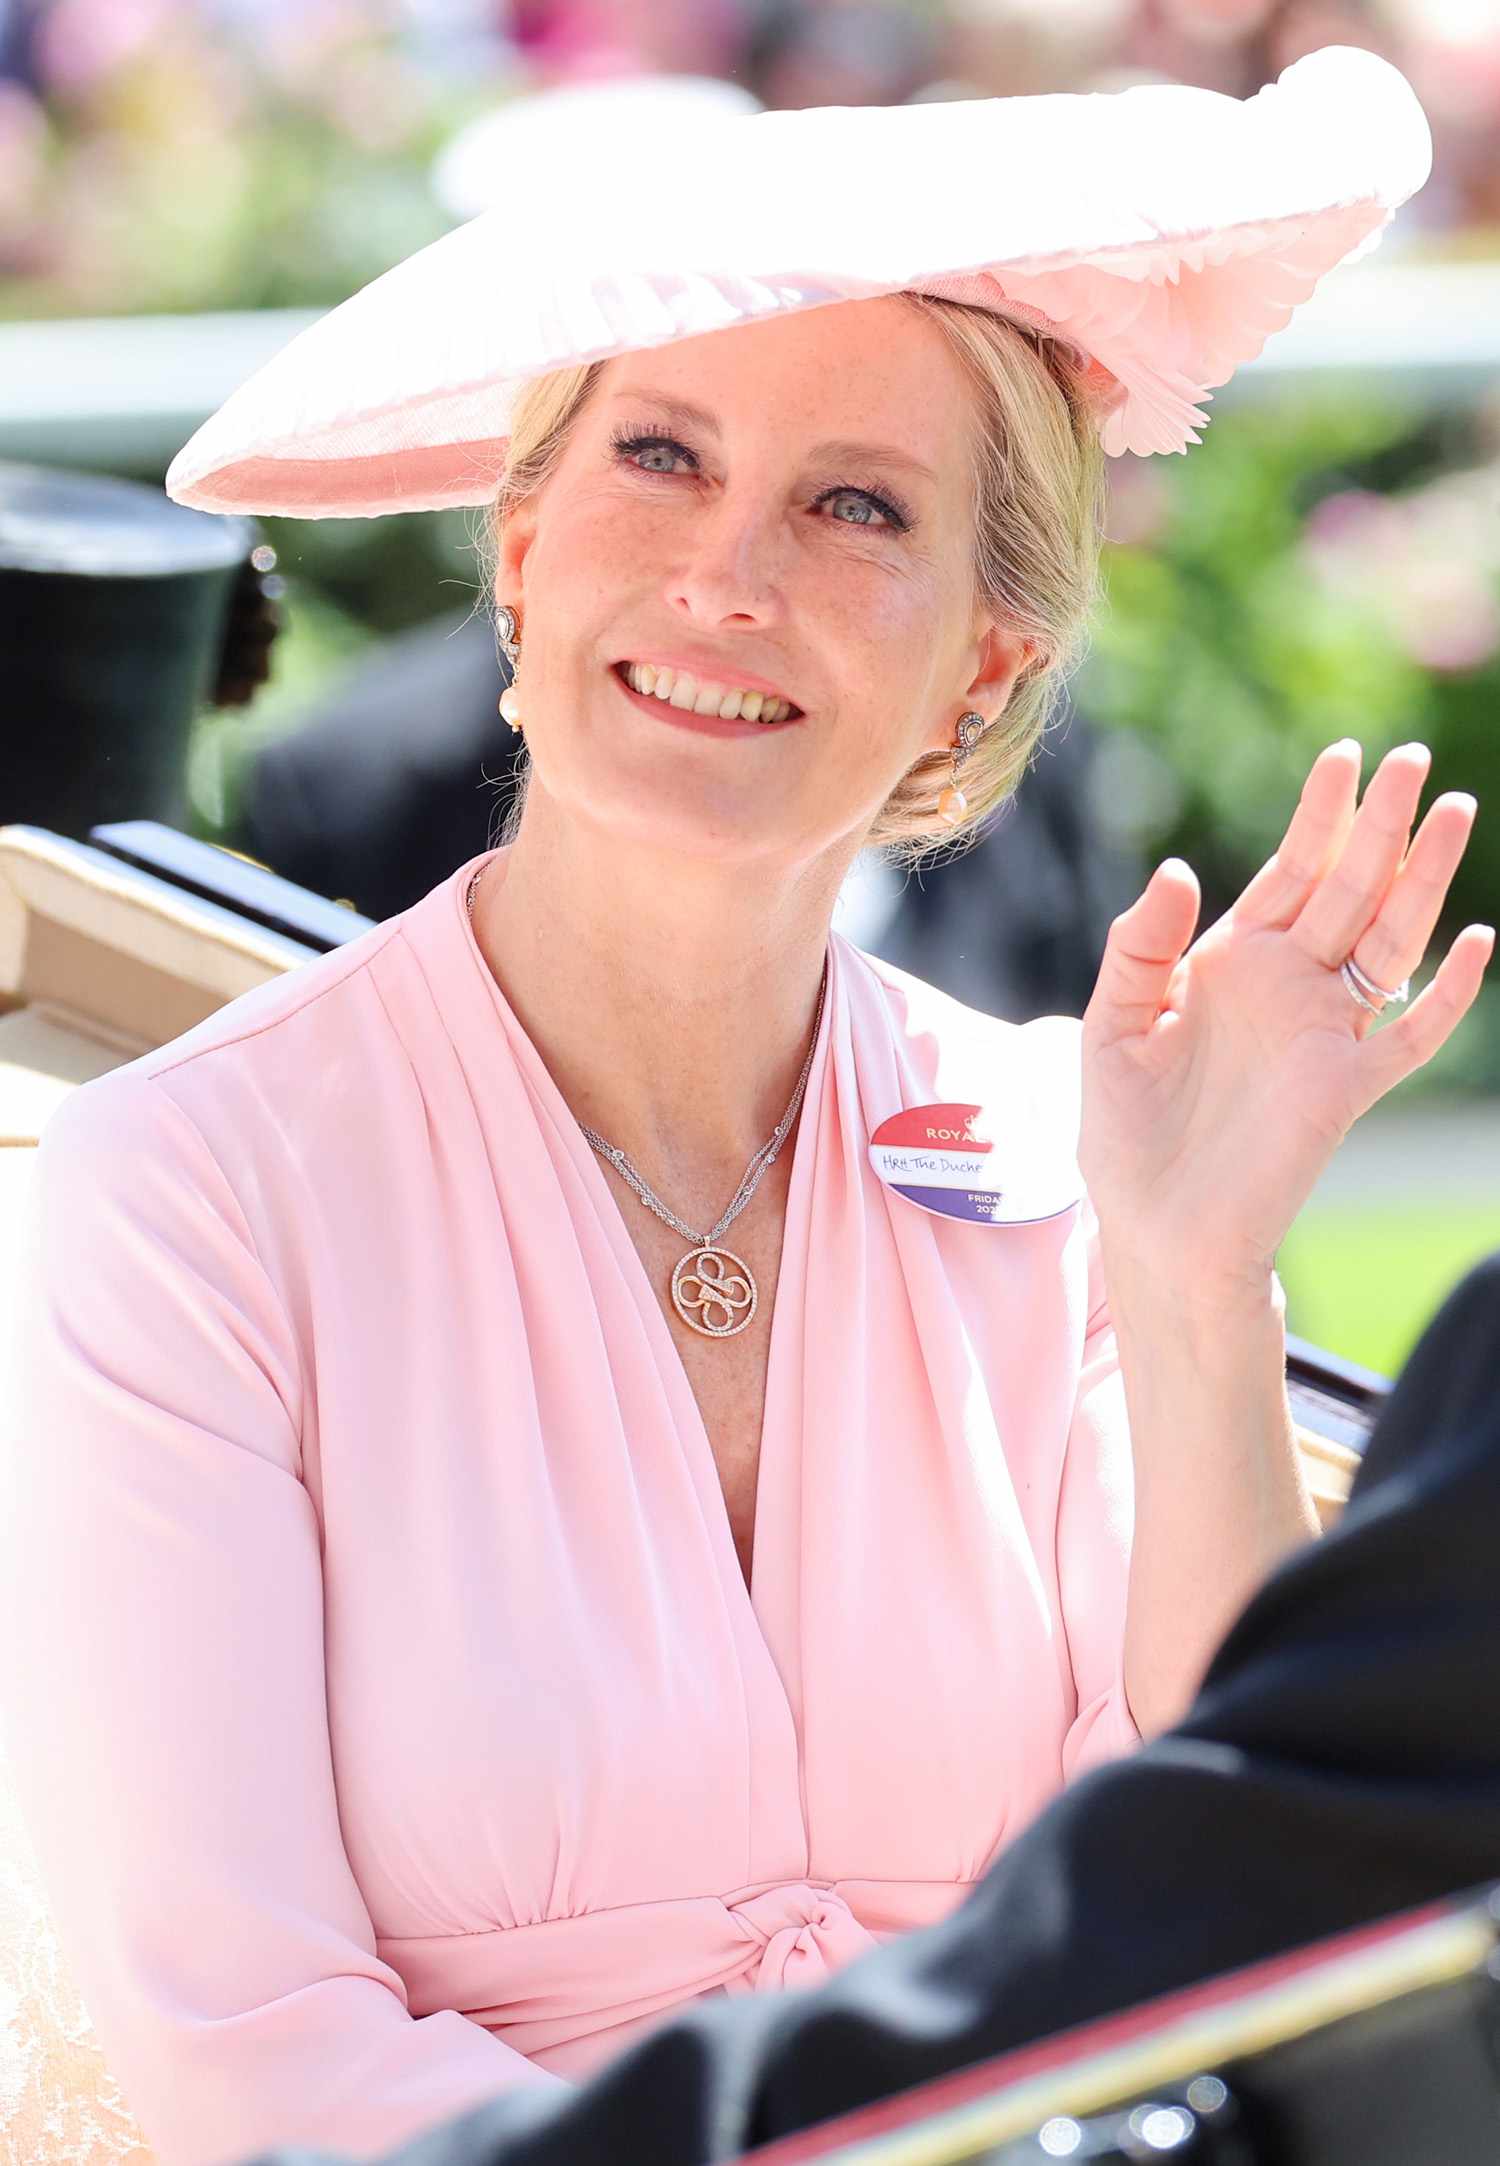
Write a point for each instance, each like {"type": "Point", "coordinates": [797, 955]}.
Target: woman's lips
{"type": "Point", "coordinates": [710, 725]}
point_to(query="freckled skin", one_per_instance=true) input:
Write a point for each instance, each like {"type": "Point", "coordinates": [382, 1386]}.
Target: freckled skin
{"type": "Point", "coordinates": [741, 551]}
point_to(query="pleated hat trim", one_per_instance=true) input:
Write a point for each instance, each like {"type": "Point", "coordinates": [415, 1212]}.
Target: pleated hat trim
{"type": "Point", "coordinates": [1164, 232]}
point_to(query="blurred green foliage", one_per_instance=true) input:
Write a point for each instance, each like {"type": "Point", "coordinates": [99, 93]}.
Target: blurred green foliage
{"type": "Point", "coordinates": [173, 164]}
{"type": "Point", "coordinates": [1324, 566]}
{"type": "Point", "coordinates": [1364, 1279]}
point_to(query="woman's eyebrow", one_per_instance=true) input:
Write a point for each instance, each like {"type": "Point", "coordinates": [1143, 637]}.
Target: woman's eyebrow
{"type": "Point", "coordinates": [683, 412]}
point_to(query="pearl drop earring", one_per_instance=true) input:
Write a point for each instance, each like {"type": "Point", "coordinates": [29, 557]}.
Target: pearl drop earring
{"type": "Point", "coordinates": [952, 803]}
{"type": "Point", "coordinates": [510, 639]}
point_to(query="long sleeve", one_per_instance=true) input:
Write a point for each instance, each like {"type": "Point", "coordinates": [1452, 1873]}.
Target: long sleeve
{"type": "Point", "coordinates": [163, 1671]}
{"type": "Point", "coordinates": [1094, 1528]}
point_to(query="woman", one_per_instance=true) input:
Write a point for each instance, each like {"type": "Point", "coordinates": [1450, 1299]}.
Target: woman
{"type": "Point", "coordinates": [575, 1533]}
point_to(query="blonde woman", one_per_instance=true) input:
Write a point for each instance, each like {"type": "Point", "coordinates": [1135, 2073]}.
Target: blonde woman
{"type": "Point", "coordinates": [575, 1503]}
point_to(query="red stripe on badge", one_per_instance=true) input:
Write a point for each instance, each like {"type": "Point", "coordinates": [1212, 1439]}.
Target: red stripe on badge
{"type": "Point", "coordinates": [933, 1128]}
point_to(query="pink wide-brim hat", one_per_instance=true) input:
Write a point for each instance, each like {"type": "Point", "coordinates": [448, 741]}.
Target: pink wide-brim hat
{"type": "Point", "coordinates": [1163, 231]}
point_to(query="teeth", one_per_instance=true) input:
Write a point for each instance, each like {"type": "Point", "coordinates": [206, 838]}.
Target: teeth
{"type": "Point", "coordinates": [681, 689]}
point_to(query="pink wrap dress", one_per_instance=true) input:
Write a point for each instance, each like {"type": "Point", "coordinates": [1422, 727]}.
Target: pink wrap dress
{"type": "Point", "coordinates": [385, 1698]}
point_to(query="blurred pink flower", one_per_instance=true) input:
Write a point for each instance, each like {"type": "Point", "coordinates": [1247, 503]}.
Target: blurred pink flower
{"type": "Point", "coordinates": [1139, 503]}
{"type": "Point", "coordinates": [24, 134]}
{"type": "Point", "coordinates": [1343, 532]}
{"type": "Point", "coordinates": [23, 145]}
{"type": "Point", "coordinates": [374, 98]}
{"type": "Point", "coordinates": [1457, 83]}
{"type": "Point", "coordinates": [1427, 564]}
{"type": "Point", "coordinates": [1217, 20]}
{"type": "Point", "coordinates": [1447, 617]}
{"type": "Point", "coordinates": [81, 43]}
{"type": "Point", "coordinates": [294, 44]}
{"type": "Point", "coordinates": [565, 41]}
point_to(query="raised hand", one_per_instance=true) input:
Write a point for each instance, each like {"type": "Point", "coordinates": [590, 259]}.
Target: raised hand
{"type": "Point", "coordinates": [1218, 1079]}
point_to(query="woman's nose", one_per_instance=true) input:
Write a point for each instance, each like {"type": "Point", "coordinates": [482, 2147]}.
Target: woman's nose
{"type": "Point", "coordinates": [731, 564]}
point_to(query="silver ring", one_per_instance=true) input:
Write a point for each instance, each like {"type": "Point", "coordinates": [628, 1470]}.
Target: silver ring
{"type": "Point", "coordinates": [1361, 986]}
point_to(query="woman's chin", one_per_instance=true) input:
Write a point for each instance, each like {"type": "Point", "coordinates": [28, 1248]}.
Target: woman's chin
{"type": "Point", "coordinates": [729, 819]}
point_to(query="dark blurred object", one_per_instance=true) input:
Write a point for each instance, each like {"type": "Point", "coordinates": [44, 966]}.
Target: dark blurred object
{"type": "Point", "coordinates": [121, 614]}
{"type": "Point", "coordinates": [401, 772]}
{"type": "Point", "coordinates": [405, 770]}
{"type": "Point", "coordinates": [1017, 924]}
{"type": "Point", "coordinates": [250, 631]}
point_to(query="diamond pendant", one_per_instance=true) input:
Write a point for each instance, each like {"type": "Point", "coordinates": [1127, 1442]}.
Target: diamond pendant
{"type": "Point", "coordinates": [714, 1292]}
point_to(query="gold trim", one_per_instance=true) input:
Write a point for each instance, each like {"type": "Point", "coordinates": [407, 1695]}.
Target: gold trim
{"type": "Point", "coordinates": [1447, 1949]}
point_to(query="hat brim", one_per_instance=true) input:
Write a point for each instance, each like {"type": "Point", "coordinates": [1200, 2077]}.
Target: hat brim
{"type": "Point", "coordinates": [1164, 231]}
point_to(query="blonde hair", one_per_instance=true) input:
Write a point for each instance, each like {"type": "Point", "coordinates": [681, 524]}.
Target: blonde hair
{"type": "Point", "coordinates": [1040, 493]}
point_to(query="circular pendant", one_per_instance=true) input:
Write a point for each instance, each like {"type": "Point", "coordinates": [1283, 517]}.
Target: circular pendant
{"type": "Point", "coordinates": [714, 1292]}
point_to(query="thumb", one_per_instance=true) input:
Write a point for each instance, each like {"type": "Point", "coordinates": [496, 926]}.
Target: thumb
{"type": "Point", "coordinates": [1145, 945]}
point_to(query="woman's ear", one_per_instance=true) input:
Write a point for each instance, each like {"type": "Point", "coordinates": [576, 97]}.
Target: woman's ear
{"type": "Point", "coordinates": [512, 545]}
{"type": "Point", "coordinates": [1002, 657]}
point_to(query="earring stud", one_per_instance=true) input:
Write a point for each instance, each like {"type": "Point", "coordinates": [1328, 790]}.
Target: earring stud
{"type": "Point", "coordinates": [952, 803]}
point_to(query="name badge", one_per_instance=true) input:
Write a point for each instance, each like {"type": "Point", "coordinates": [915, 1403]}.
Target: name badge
{"type": "Point", "coordinates": [947, 1159]}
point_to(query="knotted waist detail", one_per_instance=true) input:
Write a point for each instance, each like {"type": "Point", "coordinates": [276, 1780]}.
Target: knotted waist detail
{"type": "Point", "coordinates": [541, 1987]}
{"type": "Point", "coordinates": [804, 1934]}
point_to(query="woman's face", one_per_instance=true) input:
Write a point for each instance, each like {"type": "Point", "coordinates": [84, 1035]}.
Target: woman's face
{"type": "Point", "coordinates": [784, 507]}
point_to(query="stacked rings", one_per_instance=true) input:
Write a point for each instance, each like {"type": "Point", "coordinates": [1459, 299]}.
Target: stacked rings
{"type": "Point", "coordinates": [1363, 987]}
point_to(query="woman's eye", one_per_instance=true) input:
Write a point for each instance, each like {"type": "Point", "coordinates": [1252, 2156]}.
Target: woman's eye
{"type": "Point", "coordinates": [637, 449]}
{"type": "Point", "coordinates": [656, 454]}
{"type": "Point", "coordinates": [892, 519]}
{"type": "Point", "coordinates": [862, 505]}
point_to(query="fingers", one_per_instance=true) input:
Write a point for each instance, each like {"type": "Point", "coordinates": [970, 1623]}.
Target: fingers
{"type": "Point", "coordinates": [1145, 945]}
{"type": "Point", "coordinates": [1392, 947]}
{"type": "Point", "coordinates": [1392, 1053]}
{"type": "Point", "coordinates": [1347, 900]}
{"type": "Point", "coordinates": [1315, 835]}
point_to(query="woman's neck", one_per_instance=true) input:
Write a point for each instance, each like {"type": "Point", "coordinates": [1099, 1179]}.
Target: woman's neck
{"type": "Point", "coordinates": [672, 1000]}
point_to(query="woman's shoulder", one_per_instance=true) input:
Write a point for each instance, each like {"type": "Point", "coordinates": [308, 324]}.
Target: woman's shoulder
{"type": "Point", "coordinates": [1045, 1048]}
{"type": "Point", "coordinates": [269, 1063]}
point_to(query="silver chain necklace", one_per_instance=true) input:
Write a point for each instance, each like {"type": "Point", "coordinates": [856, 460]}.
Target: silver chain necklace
{"type": "Point", "coordinates": [712, 1289]}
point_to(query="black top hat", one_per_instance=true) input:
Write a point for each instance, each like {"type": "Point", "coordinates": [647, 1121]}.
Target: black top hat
{"type": "Point", "coordinates": [121, 614]}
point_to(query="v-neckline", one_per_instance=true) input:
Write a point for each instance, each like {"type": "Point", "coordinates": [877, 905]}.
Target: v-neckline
{"type": "Point", "coordinates": [648, 1303]}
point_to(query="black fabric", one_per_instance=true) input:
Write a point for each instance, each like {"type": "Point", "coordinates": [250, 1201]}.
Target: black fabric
{"type": "Point", "coordinates": [1342, 1762]}
{"type": "Point", "coordinates": [1016, 924]}
{"type": "Point", "coordinates": [401, 772]}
